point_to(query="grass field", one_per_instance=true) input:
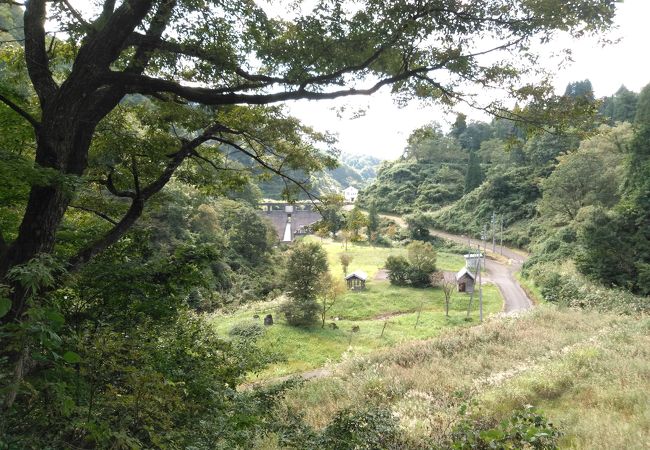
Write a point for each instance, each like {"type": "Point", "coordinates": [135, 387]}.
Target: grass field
{"type": "Point", "coordinates": [380, 304]}
{"type": "Point", "coordinates": [370, 259]}
{"type": "Point", "coordinates": [588, 372]}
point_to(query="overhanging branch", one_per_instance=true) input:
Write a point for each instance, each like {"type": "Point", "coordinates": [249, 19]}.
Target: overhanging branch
{"type": "Point", "coordinates": [95, 212]}
{"type": "Point", "coordinates": [266, 165]}
{"type": "Point", "coordinates": [24, 114]}
{"type": "Point", "coordinates": [142, 84]}
{"type": "Point", "coordinates": [139, 200]}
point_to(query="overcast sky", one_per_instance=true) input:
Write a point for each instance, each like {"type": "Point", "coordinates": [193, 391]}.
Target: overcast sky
{"type": "Point", "coordinates": [383, 129]}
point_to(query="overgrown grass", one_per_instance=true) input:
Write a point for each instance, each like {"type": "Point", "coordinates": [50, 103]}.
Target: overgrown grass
{"type": "Point", "coordinates": [588, 371]}
{"type": "Point", "coordinates": [530, 287]}
{"type": "Point", "coordinates": [385, 314]}
{"type": "Point", "coordinates": [381, 304]}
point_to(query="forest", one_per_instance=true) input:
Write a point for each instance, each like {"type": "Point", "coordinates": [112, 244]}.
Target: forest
{"type": "Point", "coordinates": [147, 302]}
{"type": "Point", "coordinates": [576, 193]}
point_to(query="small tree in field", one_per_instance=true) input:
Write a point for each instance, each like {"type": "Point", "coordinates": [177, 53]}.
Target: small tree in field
{"type": "Point", "coordinates": [422, 261]}
{"type": "Point", "coordinates": [345, 259]}
{"type": "Point", "coordinates": [347, 236]}
{"type": "Point", "coordinates": [446, 283]}
{"type": "Point", "coordinates": [305, 267]}
{"type": "Point", "coordinates": [372, 228]}
{"type": "Point", "coordinates": [398, 270]}
{"type": "Point", "coordinates": [330, 289]}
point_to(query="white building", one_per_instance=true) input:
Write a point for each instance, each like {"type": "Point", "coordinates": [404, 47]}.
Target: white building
{"type": "Point", "coordinates": [472, 260]}
{"type": "Point", "coordinates": [350, 193]}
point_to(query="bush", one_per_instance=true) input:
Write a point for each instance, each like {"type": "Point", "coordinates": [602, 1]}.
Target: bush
{"type": "Point", "coordinates": [250, 331]}
{"type": "Point", "coordinates": [398, 270]}
{"type": "Point", "coordinates": [524, 429]}
{"type": "Point", "coordinates": [418, 277]}
{"type": "Point", "coordinates": [577, 292]}
{"type": "Point", "coordinates": [373, 428]}
{"type": "Point", "coordinates": [382, 241]}
{"type": "Point", "coordinates": [416, 270]}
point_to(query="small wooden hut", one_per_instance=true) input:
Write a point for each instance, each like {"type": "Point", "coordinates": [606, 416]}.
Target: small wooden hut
{"type": "Point", "coordinates": [356, 280]}
{"type": "Point", "coordinates": [465, 280]}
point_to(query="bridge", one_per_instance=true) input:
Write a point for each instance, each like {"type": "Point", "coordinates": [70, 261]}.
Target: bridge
{"type": "Point", "coordinates": [290, 219]}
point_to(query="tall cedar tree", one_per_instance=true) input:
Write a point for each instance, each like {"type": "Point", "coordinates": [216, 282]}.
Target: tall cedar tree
{"type": "Point", "coordinates": [474, 175]}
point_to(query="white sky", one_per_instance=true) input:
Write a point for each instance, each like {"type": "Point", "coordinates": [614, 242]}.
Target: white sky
{"type": "Point", "coordinates": [384, 128]}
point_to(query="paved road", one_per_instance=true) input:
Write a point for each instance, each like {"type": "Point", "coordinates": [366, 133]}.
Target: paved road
{"type": "Point", "coordinates": [502, 274]}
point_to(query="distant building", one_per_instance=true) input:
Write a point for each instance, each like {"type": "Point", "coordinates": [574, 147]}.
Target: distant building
{"type": "Point", "coordinates": [350, 193]}
{"type": "Point", "coordinates": [356, 280]}
{"type": "Point", "coordinates": [465, 280]}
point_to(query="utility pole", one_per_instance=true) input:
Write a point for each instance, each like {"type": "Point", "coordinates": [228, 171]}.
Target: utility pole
{"type": "Point", "coordinates": [494, 226]}
{"type": "Point", "coordinates": [480, 278]}
{"type": "Point", "coordinates": [501, 244]}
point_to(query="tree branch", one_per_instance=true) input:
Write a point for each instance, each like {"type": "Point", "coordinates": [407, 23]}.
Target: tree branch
{"type": "Point", "coordinates": [266, 165]}
{"type": "Point", "coordinates": [146, 85]}
{"type": "Point", "coordinates": [212, 164]}
{"type": "Point", "coordinates": [25, 115]}
{"type": "Point", "coordinates": [137, 205]}
{"type": "Point", "coordinates": [76, 15]}
{"type": "Point", "coordinates": [35, 51]}
{"type": "Point", "coordinates": [97, 213]}
{"type": "Point", "coordinates": [110, 185]}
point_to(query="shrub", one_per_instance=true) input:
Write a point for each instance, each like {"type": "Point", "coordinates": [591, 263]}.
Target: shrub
{"type": "Point", "coordinates": [247, 330]}
{"type": "Point", "coordinates": [398, 270]}
{"type": "Point", "coordinates": [373, 428]}
{"type": "Point", "coordinates": [526, 428]}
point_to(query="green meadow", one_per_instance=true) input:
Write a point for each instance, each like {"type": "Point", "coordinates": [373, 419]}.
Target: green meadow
{"type": "Point", "coordinates": [385, 314]}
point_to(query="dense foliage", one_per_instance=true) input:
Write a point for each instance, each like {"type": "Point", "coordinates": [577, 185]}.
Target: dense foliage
{"type": "Point", "coordinates": [416, 268]}
{"type": "Point", "coordinates": [577, 194]}
{"type": "Point", "coordinates": [306, 265]}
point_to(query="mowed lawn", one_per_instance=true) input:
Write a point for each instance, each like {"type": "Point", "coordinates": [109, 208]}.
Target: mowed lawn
{"type": "Point", "coordinates": [381, 307]}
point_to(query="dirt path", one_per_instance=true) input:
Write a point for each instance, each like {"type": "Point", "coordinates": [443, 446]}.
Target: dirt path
{"type": "Point", "coordinates": [309, 375]}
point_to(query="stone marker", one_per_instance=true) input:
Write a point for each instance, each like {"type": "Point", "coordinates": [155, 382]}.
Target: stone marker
{"type": "Point", "coordinates": [268, 320]}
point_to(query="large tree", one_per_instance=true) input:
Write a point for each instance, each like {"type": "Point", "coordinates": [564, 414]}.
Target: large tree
{"type": "Point", "coordinates": [179, 68]}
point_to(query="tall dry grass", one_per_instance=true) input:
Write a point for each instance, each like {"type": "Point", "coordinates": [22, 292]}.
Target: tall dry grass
{"type": "Point", "coordinates": [590, 372]}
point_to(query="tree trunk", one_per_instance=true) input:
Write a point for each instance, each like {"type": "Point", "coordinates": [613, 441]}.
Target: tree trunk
{"type": "Point", "coordinates": [63, 144]}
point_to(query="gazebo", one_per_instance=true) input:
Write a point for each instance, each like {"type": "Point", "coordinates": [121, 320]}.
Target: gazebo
{"type": "Point", "coordinates": [356, 280]}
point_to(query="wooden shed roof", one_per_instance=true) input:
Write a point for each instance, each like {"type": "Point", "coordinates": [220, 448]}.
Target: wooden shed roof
{"type": "Point", "coordinates": [358, 274]}
{"type": "Point", "coordinates": [462, 272]}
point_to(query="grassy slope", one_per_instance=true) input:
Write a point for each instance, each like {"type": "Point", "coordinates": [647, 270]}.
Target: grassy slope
{"type": "Point", "coordinates": [588, 372]}
{"type": "Point", "coordinates": [307, 349]}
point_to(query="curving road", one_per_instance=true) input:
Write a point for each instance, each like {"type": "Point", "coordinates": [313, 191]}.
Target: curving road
{"type": "Point", "coordinates": [502, 274]}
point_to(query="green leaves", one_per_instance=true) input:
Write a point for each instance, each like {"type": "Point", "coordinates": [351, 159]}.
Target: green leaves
{"type": "Point", "coordinates": [71, 357]}
{"type": "Point", "coordinates": [36, 273]}
{"type": "Point", "coordinates": [5, 306]}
